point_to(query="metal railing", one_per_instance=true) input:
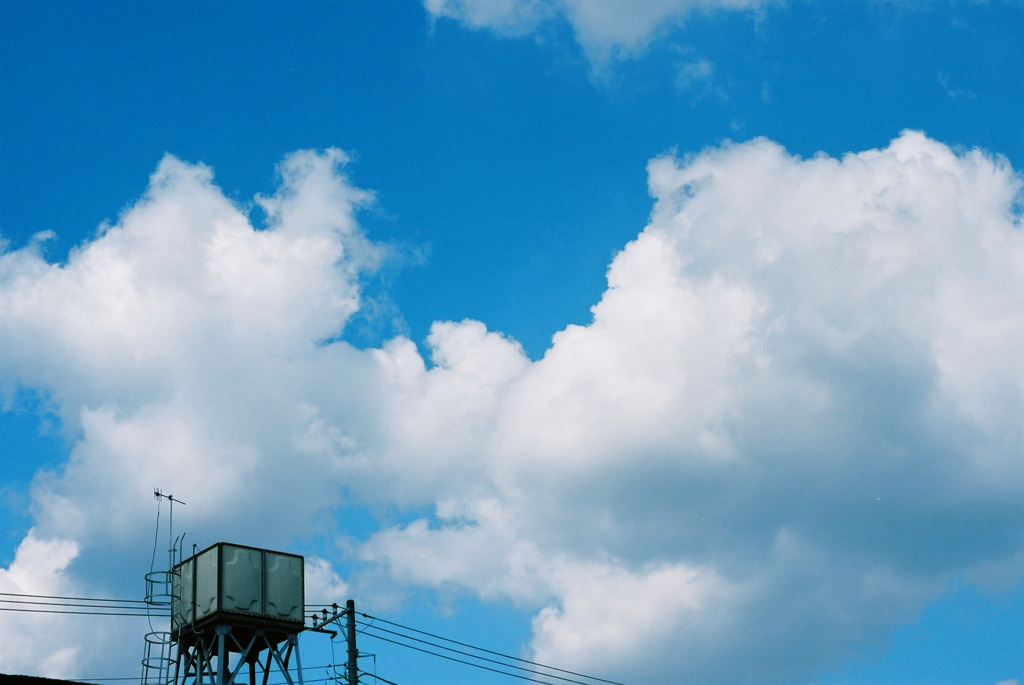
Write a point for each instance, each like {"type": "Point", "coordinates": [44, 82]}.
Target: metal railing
{"type": "Point", "coordinates": [158, 666]}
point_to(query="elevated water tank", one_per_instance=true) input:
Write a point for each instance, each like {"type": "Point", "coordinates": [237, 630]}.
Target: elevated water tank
{"type": "Point", "coordinates": [238, 586]}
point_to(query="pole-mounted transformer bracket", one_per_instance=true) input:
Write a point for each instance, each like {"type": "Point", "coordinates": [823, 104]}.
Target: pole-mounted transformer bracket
{"type": "Point", "coordinates": [320, 622]}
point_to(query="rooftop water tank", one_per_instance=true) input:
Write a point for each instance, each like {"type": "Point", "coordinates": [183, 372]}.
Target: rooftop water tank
{"type": "Point", "coordinates": [239, 586]}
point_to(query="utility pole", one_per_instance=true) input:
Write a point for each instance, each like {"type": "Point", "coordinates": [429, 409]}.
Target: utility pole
{"type": "Point", "coordinates": [334, 616]}
{"type": "Point", "coordinates": [353, 653]}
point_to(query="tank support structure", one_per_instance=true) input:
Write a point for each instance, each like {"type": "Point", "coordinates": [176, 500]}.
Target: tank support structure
{"type": "Point", "coordinates": [218, 657]}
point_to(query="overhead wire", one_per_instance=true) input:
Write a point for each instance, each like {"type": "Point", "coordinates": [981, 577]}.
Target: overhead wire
{"type": "Point", "coordinates": [89, 606]}
{"type": "Point", "coordinates": [483, 658]}
{"type": "Point", "coordinates": [487, 651]}
{"type": "Point", "coordinates": [461, 661]}
{"type": "Point", "coordinates": [82, 613]}
{"type": "Point", "coordinates": [156, 535]}
{"type": "Point", "coordinates": [73, 599]}
{"type": "Point", "coordinates": [152, 564]}
{"type": "Point", "coordinates": [103, 606]}
{"type": "Point", "coordinates": [377, 677]}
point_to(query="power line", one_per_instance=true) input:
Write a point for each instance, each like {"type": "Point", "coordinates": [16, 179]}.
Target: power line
{"type": "Point", "coordinates": [74, 599]}
{"type": "Point", "coordinates": [377, 677]}
{"type": "Point", "coordinates": [488, 651]}
{"type": "Point", "coordinates": [89, 606]}
{"type": "Point", "coordinates": [461, 661]}
{"type": "Point", "coordinates": [81, 613]}
{"type": "Point", "coordinates": [92, 605]}
{"type": "Point", "coordinates": [99, 606]}
{"type": "Point", "coordinates": [483, 658]}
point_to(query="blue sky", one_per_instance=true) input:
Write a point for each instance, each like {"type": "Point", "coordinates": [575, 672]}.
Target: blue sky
{"type": "Point", "coordinates": [500, 309]}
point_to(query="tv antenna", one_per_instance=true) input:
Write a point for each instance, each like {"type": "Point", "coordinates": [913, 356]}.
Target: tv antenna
{"type": "Point", "coordinates": [157, 662]}
{"type": "Point", "coordinates": [171, 540]}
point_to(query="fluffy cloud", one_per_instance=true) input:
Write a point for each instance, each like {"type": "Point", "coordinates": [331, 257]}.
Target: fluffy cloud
{"type": "Point", "coordinates": [603, 28]}
{"type": "Point", "coordinates": [183, 348]}
{"type": "Point", "coordinates": [793, 419]}
{"type": "Point", "coordinates": [38, 569]}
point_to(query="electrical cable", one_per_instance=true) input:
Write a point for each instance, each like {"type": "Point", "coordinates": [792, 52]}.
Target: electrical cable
{"type": "Point", "coordinates": [97, 606]}
{"type": "Point", "coordinates": [156, 533]}
{"type": "Point", "coordinates": [370, 625]}
{"type": "Point", "coordinates": [461, 661]}
{"type": "Point", "coordinates": [152, 559]}
{"type": "Point", "coordinates": [488, 651]}
{"type": "Point", "coordinates": [482, 658]}
{"type": "Point", "coordinates": [377, 677]}
{"type": "Point", "coordinates": [88, 606]}
{"type": "Point", "coordinates": [82, 613]}
{"type": "Point", "coordinates": [74, 599]}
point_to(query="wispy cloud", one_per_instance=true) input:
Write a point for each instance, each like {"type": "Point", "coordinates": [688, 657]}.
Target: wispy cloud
{"type": "Point", "coordinates": [953, 92]}
{"type": "Point", "coordinates": [603, 28]}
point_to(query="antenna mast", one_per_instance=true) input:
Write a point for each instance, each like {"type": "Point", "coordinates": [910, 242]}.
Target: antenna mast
{"type": "Point", "coordinates": [172, 542]}
{"type": "Point", "coordinates": [156, 661]}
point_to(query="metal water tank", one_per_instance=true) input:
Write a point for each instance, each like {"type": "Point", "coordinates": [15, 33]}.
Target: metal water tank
{"type": "Point", "coordinates": [240, 586]}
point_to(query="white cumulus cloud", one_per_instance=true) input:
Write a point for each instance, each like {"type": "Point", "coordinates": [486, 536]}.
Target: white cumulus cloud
{"type": "Point", "coordinates": [183, 348]}
{"type": "Point", "coordinates": [793, 419]}
{"type": "Point", "coordinates": [38, 569]}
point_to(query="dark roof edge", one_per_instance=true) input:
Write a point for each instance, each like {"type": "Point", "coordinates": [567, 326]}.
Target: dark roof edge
{"type": "Point", "coordinates": [33, 680]}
